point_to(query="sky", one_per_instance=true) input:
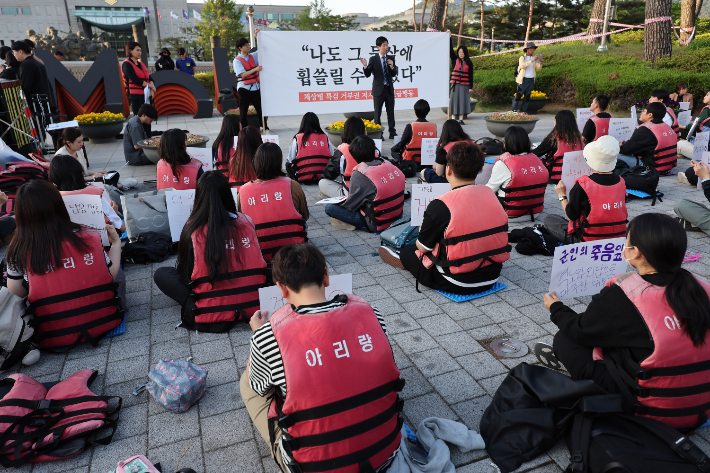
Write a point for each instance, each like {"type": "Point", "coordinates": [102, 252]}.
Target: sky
{"type": "Point", "coordinates": [338, 7]}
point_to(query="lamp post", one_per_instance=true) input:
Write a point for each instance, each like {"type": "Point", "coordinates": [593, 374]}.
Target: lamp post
{"type": "Point", "coordinates": [250, 15]}
{"type": "Point", "coordinates": [603, 47]}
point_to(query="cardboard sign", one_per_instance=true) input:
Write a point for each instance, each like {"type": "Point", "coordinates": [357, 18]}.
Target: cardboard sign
{"type": "Point", "coordinates": [378, 145]}
{"type": "Point", "coordinates": [268, 139]}
{"type": "Point", "coordinates": [270, 297]}
{"type": "Point", "coordinates": [700, 145]}
{"type": "Point", "coordinates": [633, 114]}
{"type": "Point", "coordinates": [582, 269]}
{"type": "Point", "coordinates": [422, 194]}
{"type": "Point", "coordinates": [574, 166]}
{"type": "Point", "coordinates": [621, 128]}
{"type": "Point", "coordinates": [202, 154]}
{"type": "Point", "coordinates": [706, 159]}
{"type": "Point", "coordinates": [179, 204]}
{"type": "Point", "coordinates": [684, 118]}
{"type": "Point", "coordinates": [684, 105]}
{"type": "Point", "coordinates": [583, 114]}
{"type": "Point", "coordinates": [429, 151]}
{"type": "Point", "coordinates": [87, 210]}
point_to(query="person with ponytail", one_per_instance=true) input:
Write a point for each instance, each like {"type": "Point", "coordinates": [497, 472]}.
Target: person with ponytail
{"type": "Point", "coordinates": [563, 138]}
{"type": "Point", "coordinates": [241, 166]}
{"type": "Point", "coordinates": [644, 330]}
{"type": "Point", "coordinates": [176, 169]}
{"type": "Point", "coordinates": [223, 145]}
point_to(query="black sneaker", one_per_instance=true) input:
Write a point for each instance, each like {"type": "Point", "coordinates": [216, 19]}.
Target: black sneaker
{"type": "Point", "coordinates": [544, 353]}
{"type": "Point", "coordinates": [687, 226]}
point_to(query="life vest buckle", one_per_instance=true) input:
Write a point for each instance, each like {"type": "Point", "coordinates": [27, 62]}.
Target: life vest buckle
{"type": "Point", "coordinates": [577, 461]}
{"type": "Point", "coordinates": [642, 392]}
{"type": "Point", "coordinates": [44, 403]}
{"type": "Point", "coordinates": [643, 375]}
{"type": "Point", "coordinates": [289, 443]}
{"type": "Point", "coordinates": [286, 422]}
{"type": "Point", "coordinates": [399, 384]}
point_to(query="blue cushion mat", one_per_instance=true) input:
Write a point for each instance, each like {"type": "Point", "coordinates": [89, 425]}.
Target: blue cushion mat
{"type": "Point", "coordinates": [640, 194]}
{"type": "Point", "coordinates": [118, 330]}
{"type": "Point", "coordinates": [462, 298]}
{"type": "Point", "coordinates": [490, 160]}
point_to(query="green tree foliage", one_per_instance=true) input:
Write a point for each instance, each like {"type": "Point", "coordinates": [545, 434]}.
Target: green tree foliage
{"type": "Point", "coordinates": [317, 17]}
{"type": "Point", "coordinates": [396, 25]}
{"type": "Point", "coordinates": [220, 18]}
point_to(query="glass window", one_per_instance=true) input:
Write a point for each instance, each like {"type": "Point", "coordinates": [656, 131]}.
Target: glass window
{"type": "Point", "coordinates": [26, 11]}
{"type": "Point", "coordinates": [117, 39]}
{"type": "Point", "coordinates": [259, 16]}
{"type": "Point", "coordinates": [287, 16]}
{"type": "Point", "coordinates": [8, 11]}
{"type": "Point", "coordinates": [272, 16]}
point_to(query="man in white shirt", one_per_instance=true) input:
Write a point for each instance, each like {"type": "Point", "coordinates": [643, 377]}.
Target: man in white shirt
{"type": "Point", "coordinates": [528, 66]}
{"type": "Point", "coordinates": [246, 67]}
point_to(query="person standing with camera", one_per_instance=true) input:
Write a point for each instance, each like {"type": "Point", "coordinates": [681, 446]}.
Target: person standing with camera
{"type": "Point", "coordinates": [528, 66]}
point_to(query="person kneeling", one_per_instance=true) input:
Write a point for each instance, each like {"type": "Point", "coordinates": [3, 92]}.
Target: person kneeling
{"type": "Point", "coordinates": [348, 364]}
{"type": "Point", "coordinates": [458, 250]}
{"type": "Point", "coordinates": [376, 196]}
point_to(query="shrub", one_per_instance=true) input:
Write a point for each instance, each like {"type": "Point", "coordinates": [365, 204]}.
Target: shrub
{"type": "Point", "coordinates": [626, 37]}
{"type": "Point", "coordinates": [207, 79]}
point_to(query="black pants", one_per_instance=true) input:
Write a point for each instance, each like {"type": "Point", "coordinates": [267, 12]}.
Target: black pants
{"type": "Point", "coordinates": [168, 281]}
{"type": "Point", "coordinates": [386, 99]}
{"type": "Point", "coordinates": [246, 98]}
{"type": "Point", "coordinates": [7, 226]}
{"type": "Point", "coordinates": [136, 102]}
{"type": "Point", "coordinates": [580, 364]}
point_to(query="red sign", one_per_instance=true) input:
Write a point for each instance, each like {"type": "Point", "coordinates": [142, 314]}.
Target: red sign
{"type": "Point", "coordinates": [351, 95]}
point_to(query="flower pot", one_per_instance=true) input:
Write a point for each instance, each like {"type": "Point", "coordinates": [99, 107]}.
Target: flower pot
{"type": "Point", "coordinates": [534, 105]}
{"type": "Point", "coordinates": [336, 137]}
{"type": "Point", "coordinates": [473, 107]}
{"type": "Point", "coordinates": [151, 152]}
{"type": "Point", "coordinates": [364, 115]}
{"type": "Point", "coordinates": [498, 127]}
{"type": "Point", "coordinates": [101, 132]}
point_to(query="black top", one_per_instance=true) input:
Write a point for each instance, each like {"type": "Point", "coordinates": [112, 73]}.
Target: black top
{"type": "Point", "coordinates": [642, 143]}
{"type": "Point", "coordinates": [34, 78]}
{"type": "Point", "coordinates": [579, 201]}
{"type": "Point", "coordinates": [706, 188]}
{"type": "Point", "coordinates": [547, 148]}
{"type": "Point", "coordinates": [9, 73]}
{"type": "Point", "coordinates": [374, 67]}
{"type": "Point", "coordinates": [441, 156]}
{"type": "Point", "coordinates": [406, 137]}
{"type": "Point", "coordinates": [453, 56]}
{"type": "Point", "coordinates": [590, 129]}
{"type": "Point", "coordinates": [129, 72]}
{"type": "Point", "coordinates": [164, 63]}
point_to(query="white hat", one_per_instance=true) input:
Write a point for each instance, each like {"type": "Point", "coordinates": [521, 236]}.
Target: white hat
{"type": "Point", "coordinates": [601, 154]}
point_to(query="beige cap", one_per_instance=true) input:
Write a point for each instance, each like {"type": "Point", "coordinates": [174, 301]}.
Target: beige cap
{"type": "Point", "coordinates": [601, 154]}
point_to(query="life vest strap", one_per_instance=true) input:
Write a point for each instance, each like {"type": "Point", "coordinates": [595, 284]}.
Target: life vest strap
{"type": "Point", "coordinates": [388, 199]}
{"type": "Point", "coordinates": [644, 410]}
{"type": "Point", "coordinates": [524, 188]}
{"type": "Point", "coordinates": [225, 308]}
{"type": "Point", "coordinates": [112, 286]}
{"type": "Point", "coordinates": [283, 236]}
{"type": "Point", "coordinates": [667, 148]}
{"type": "Point", "coordinates": [280, 223]}
{"type": "Point", "coordinates": [645, 375]}
{"type": "Point", "coordinates": [231, 275]}
{"type": "Point", "coordinates": [474, 235]}
{"type": "Point", "coordinates": [80, 330]}
{"type": "Point", "coordinates": [65, 314]}
{"type": "Point", "coordinates": [234, 291]}
{"type": "Point", "coordinates": [319, 157]}
{"type": "Point", "coordinates": [469, 259]}
{"type": "Point", "coordinates": [523, 197]}
{"type": "Point", "coordinates": [672, 392]}
{"type": "Point", "coordinates": [521, 207]}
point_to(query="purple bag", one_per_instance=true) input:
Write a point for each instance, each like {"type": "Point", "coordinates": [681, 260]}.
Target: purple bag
{"type": "Point", "coordinates": [176, 384]}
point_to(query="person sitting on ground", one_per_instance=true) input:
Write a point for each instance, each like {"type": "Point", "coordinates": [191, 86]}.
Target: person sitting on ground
{"type": "Point", "coordinates": [310, 151]}
{"type": "Point", "coordinates": [135, 132]}
{"type": "Point", "coordinates": [376, 197]}
{"type": "Point", "coordinates": [654, 143]}
{"type": "Point", "coordinates": [518, 177]}
{"type": "Point", "coordinates": [598, 125]}
{"type": "Point", "coordinates": [685, 147]}
{"type": "Point", "coordinates": [458, 250]}
{"type": "Point", "coordinates": [71, 143]}
{"type": "Point", "coordinates": [693, 215]}
{"type": "Point", "coordinates": [596, 207]}
{"type": "Point", "coordinates": [563, 138]}
{"type": "Point", "coordinates": [409, 147]}
{"type": "Point", "coordinates": [451, 133]}
{"type": "Point", "coordinates": [241, 166]}
{"type": "Point", "coordinates": [81, 275]}
{"type": "Point", "coordinates": [661, 96]}
{"type": "Point", "coordinates": [681, 94]}
{"type": "Point", "coordinates": [219, 266]}
{"type": "Point", "coordinates": [276, 204]}
{"type": "Point", "coordinates": [176, 169]}
{"type": "Point", "coordinates": [223, 146]}
{"type": "Point", "coordinates": [639, 323]}
{"type": "Point", "coordinates": [347, 354]}
{"type": "Point", "coordinates": [354, 127]}
{"type": "Point", "coordinates": [59, 55]}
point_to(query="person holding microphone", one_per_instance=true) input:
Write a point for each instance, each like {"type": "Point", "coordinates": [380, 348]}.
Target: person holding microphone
{"type": "Point", "coordinates": [246, 67]}
{"type": "Point", "coordinates": [384, 70]}
{"type": "Point", "coordinates": [528, 66]}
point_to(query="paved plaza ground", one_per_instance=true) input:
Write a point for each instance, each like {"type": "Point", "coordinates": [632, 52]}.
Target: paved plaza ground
{"type": "Point", "coordinates": [435, 341]}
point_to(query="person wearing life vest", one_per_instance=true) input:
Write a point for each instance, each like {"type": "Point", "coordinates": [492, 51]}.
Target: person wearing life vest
{"type": "Point", "coordinates": [223, 146]}
{"type": "Point", "coordinates": [461, 82]}
{"type": "Point", "coordinates": [60, 266]}
{"type": "Point", "coordinates": [275, 203]}
{"type": "Point", "coordinates": [376, 197]}
{"type": "Point", "coordinates": [563, 138]}
{"type": "Point", "coordinates": [451, 133]}
{"type": "Point", "coordinates": [459, 249]}
{"type": "Point", "coordinates": [176, 169]}
{"type": "Point", "coordinates": [654, 143]}
{"type": "Point", "coordinates": [310, 151]}
{"type": "Point", "coordinates": [219, 267]}
{"type": "Point", "coordinates": [598, 125]}
{"type": "Point", "coordinates": [518, 177]}
{"type": "Point", "coordinates": [136, 76]}
{"type": "Point", "coordinates": [246, 67]}
{"type": "Point", "coordinates": [596, 207]}
{"type": "Point", "coordinates": [410, 146]}
{"type": "Point", "coordinates": [645, 335]}
{"type": "Point", "coordinates": [342, 378]}
{"type": "Point", "coordinates": [661, 96]}
{"type": "Point", "coordinates": [332, 186]}
{"type": "Point", "coordinates": [240, 168]}
{"type": "Point", "coordinates": [685, 147]}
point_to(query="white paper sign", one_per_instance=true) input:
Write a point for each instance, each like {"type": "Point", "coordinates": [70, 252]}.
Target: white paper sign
{"type": "Point", "coordinates": [684, 118]}
{"type": "Point", "coordinates": [235, 194]}
{"type": "Point", "coordinates": [700, 145]}
{"type": "Point", "coordinates": [684, 105]}
{"type": "Point", "coordinates": [583, 114]}
{"type": "Point", "coordinates": [621, 128]}
{"type": "Point", "coordinates": [397, 139]}
{"type": "Point", "coordinates": [146, 94]}
{"type": "Point", "coordinates": [87, 210]}
{"type": "Point", "coordinates": [268, 139]}
{"type": "Point", "coordinates": [706, 159]}
{"type": "Point", "coordinates": [332, 200]}
{"type": "Point", "coordinates": [202, 154]}
{"type": "Point", "coordinates": [582, 269]}
{"type": "Point", "coordinates": [485, 175]}
{"type": "Point", "coordinates": [101, 186]}
{"type": "Point", "coordinates": [422, 194]}
{"type": "Point", "coordinates": [573, 167]}
{"type": "Point", "coordinates": [378, 145]}
{"type": "Point", "coordinates": [270, 297]}
{"type": "Point", "coordinates": [634, 117]}
{"type": "Point", "coordinates": [429, 151]}
{"type": "Point", "coordinates": [179, 204]}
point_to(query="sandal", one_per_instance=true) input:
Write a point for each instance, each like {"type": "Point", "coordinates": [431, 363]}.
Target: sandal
{"type": "Point", "coordinates": [544, 353]}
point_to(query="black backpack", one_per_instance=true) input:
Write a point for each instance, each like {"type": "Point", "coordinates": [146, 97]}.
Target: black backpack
{"type": "Point", "coordinates": [644, 179]}
{"type": "Point", "coordinates": [490, 146]}
{"type": "Point", "coordinates": [150, 247]}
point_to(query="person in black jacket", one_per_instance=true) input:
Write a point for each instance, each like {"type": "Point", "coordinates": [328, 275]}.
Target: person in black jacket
{"type": "Point", "coordinates": [382, 85]}
{"type": "Point", "coordinates": [164, 62]}
{"type": "Point", "coordinates": [643, 142]}
{"type": "Point", "coordinates": [12, 65]}
{"type": "Point", "coordinates": [35, 84]}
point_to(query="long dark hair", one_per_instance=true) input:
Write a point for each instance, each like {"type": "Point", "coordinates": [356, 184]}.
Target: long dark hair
{"type": "Point", "coordinates": [224, 143]}
{"type": "Point", "coordinates": [267, 162]}
{"type": "Point", "coordinates": [173, 149]}
{"type": "Point", "coordinates": [466, 59]}
{"type": "Point", "coordinates": [213, 203]}
{"type": "Point", "coordinates": [663, 241]}
{"type": "Point", "coordinates": [11, 60]}
{"type": "Point", "coordinates": [451, 131]}
{"type": "Point", "coordinates": [66, 173]}
{"type": "Point", "coordinates": [69, 135]}
{"type": "Point", "coordinates": [309, 124]}
{"type": "Point", "coordinates": [43, 225]}
{"type": "Point", "coordinates": [516, 140]}
{"type": "Point", "coordinates": [354, 127]}
{"type": "Point", "coordinates": [241, 166]}
{"type": "Point", "coordinates": [566, 129]}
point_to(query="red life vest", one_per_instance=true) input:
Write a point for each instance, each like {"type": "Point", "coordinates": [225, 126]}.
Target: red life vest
{"type": "Point", "coordinates": [675, 365]}
{"type": "Point", "coordinates": [347, 355]}
{"type": "Point", "coordinates": [555, 164]}
{"type": "Point", "coordinates": [234, 295]}
{"type": "Point", "coordinates": [460, 73]}
{"type": "Point", "coordinates": [88, 190]}
{"type": "Point", "coordinates": [471, 243]}
{"type": "Point", "coordinates": [77, 301]}
{"type": "Point", "coordinates": [221, 164]}
{"type": "Point", "coordinates": [413, 150]}
{"type": "Point", "coordinates": [142, 73]}
{"type": "Point", "coordinates": [665, 156]}
{"type": "Point", "coordinates": [248, 65]}
{"type": "Point", "coordinates": [675, 127]}
{"type": "Point", "coordinates": [388, 204]}
{"type": "Point", "coordinates": [525, 193]}
{"type": "Point", "coordinates": [601, 125]}
{"type": "Point", "coordinates": [448, 146]}
{"type": "Point", "coordinates": [69, 411]}
{"type": "Point", "coordinates": [607, 215]}
{"type": "Point", "coordinates": [350, 164]}
{"type": "Point", "coordinates": [311, 157]}
{"type": "Point", "coordinates": [270, 205]}
{"type": "Point", "coordinates": [187, 179]}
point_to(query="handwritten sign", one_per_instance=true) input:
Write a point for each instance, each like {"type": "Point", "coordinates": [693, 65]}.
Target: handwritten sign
{"type": "Point", "coordinates": [633, 114]}
{"type": "Point", "coordinates": [270, 297]}
{"type": "Point", "coordinates": [583, 114]}
{"type": "Point", "coordinates": [332, 200]}
{"type": "Point", "coordinates": [234, 144]}
{"type": "Point", "coordinates": [706, 160]}
{"type": "Point", "coordinates": [269, 139]}
{"type": "Point", "coordinates": [582, 269]}
{"type": "Point", "coordinates": [684, 118]}
{"type": "Point", "coordinates": [429, 151]}
{"type": "Point", "coordinates": [202, 154]}
{"type": "Point", "coordinates": [621, 128]}
{"type": "Point", "coordinates": [378, 144]}
{"type": "Point", "coordinates": [485, 175]}
{"type": "Point", "coordinates": [684, 105]}
{"type": "Point", "coordinates": [179, 204]}
{"type": "Point", "coordinates": [235, 194]}
{"type": "Point", "coordinates": [87, 210]}
{"type": "Point", "coordinates": [422, 194]}
{"type": "Point", "coordinates": [700, 145]}
{"type": "Point", "coordinates": [574, 166]}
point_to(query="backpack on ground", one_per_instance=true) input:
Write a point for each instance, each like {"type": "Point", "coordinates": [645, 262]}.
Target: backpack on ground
{"type": "Point", "coordinates": [490, 146]}
{"type": "Point", "coordinates": [644, 179]}
{"type": "Point", "coordinates": [15, 332]}
{"type": "Point", "coordinates": [149, 247]}
{"type": "Point", "coordinates": [400, 234]}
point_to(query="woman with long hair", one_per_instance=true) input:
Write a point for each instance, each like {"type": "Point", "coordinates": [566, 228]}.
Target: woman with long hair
{"type": "Point", "coordinates": [12, 65]}
{"type": "Point", "coordinates": [62, 269]}
{"type": "Point", "coordinates": [564, 138]}
{"type": "Point", "coordinates": [219, 265]}
{"type": "Point", "coordinates": [461, 82]}
{"type": "Point", "coordinates": [451, 133]}
{"type": "Point", "coordinates": [310, 151]}
{"type": "Point", "coordinates": [354, 127]}
{"type": "Point", "coordinates": [223, 145]}
{"type": "Point", "coordinates": [71, 143]}
{"type": "Point", "coordinates": [136, 76]}
{"type": "Point", "coordinates": [681, 94]}
{"type": "Point", "coordinates": [176, 168]}
{"type": "Point", "coordinates": [241, 166]}
{"type": "Point", "coordinates": [644, 330]}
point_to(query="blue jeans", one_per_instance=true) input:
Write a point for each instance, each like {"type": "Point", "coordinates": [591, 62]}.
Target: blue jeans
{"type": "Point", "coordinates": [344, 215]}
{"type": "Point", "coordinates": [523, 92]}
{"type": "Point", "coordinates": [630, 160]}
{"type": "Point", "coordinates": [433, 178]}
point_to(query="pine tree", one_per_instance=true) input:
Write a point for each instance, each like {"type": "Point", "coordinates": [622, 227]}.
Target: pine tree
{"type": "Point", "coordinates": [657, 34]}
{"type": "Point", "coordinates": [221, 18]}
{"type": "Point", "coordinates": [436, 20]}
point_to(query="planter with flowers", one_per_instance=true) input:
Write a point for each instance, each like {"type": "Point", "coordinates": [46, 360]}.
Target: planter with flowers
{"type": "Point", "coordinates": [150, 146]}
{"type": "Point", "coordinates": [100, 127]}
{"type": "Point", "coordinates": [252, 118]}
{"type": "Point", "coordinates": [497, 123]}
{"type": "Point", "coordinates": [335, 131]}
{"type": "Point", "coordinates": [536, 102]}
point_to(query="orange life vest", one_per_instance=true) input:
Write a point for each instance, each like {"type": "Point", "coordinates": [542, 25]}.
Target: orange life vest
{"type": "Point", "coordinates": [525, 193]}
{"type": "Point", "coordinates": [601, 126]}
{"type": "Point", "coordinates": [248, 64]}
{"type": "Point", "coordinates": [350, 164]}
{"type": "Point", "coordinates": [413, 149]}
{"type": "Point", "coordinates": [675, 127]}
{"type": "Point", "coordinates": [460, 73]}
{"type": "Point", "coordinates": [607, 215]}
{"type": "Point", "coordinates": [311, 157]}
{"type": "Point", "coordinates": [142, 73]}
{"type": "Point", "coordinates": [555, 165]}
{"type": "Point", "coordinates": [388, 203]}
{"type": "Point", "coordinates": [665, 156]}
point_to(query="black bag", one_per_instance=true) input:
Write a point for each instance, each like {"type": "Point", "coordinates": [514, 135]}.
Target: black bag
{"type": "Point", "coordinates": [332, 169]}
{"type": "Point", "coordinates": [644, 179]}
{"type": "Point", "coordinates": [490, 146]}
{"type": "Point", "coordinates": [533, 241]}
{"type": "Point", "coordinates": [150, 247]}
{"type": "Point", "coordinates": [621, 167]}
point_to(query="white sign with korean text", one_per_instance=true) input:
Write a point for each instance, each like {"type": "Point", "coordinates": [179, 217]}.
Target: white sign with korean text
{"type": "Point", "coordinates": [270, 297]}
{"type": "Point", "coordinates": [429, 151]}
{"type": "Point", "coordinates": [321, 72]}
{"type": "Point", "coordinates": [422, 194]}
{"type": "Point", "coordinates": [700, 145]}
{"type": "Point", "coordinates": [203, 155]}
{"type": "Point", "coordinates": [621, 128]}
{"type": "Point", "coordinates": [574, 166]}
{"type": "Point", "coordinates": [583, 114]}
{"type": "Point", "coordinates": [378, 145]}
{"type": "Point", "coordinates": [582, 269]}
{"type": "Point", "coordinates": [684, 118]}
{"type": "Point", "coordinates": [684, 105]}
{"type": "Point", "coordinates": [268, 139]}
{"type": "Point", "coordinates": [634, 116]}
{"type": "Point", "coordinates": [87, 210]}
{"type": "Point", "coordinates": [179, 204]}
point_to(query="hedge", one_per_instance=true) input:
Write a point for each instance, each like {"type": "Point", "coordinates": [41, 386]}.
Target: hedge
{"type": "Point", "coordinates": [207, 79]}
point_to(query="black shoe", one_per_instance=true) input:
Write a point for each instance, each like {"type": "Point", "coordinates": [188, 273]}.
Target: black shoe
{"type": "Point", "coordinates": [544, 353]}
{"type": "Point", "coordinates": [687, 226]}
{"type": "Point", "coordinates": [392, 135]}
{"type": "Point", "coordinates": [461, 122]}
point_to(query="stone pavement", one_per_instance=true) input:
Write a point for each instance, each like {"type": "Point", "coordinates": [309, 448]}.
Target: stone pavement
{"type": "Point", "coordinates": [435, 341]}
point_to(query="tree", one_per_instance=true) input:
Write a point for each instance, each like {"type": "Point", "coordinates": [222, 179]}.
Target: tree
{"type": "Point", "coordinates": [530, 17]}
{"type": "Point", "coordinates": [396, 25]}
{"type": "Point", "coordinates": [657, 35]}
{"type": "Point", "coordinates": [220, 18]}
{"type": "Point", "coordinates": [316, 17]}
{"type": "Point", "coordinates": [689, 11]}
{"type": "Point", "coordinates": [436, 20]}
{"type": "Point", "coordinates": [596, 24]}
{"type": "Point", "coordinates": [421, 24]}
{"type": "Point", "coordinates": [414, 14]}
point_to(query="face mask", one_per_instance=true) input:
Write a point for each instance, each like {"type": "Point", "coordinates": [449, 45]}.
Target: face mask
{"type": "Point", "coordinates": [627, 248]}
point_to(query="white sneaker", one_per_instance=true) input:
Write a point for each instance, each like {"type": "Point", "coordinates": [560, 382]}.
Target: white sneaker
{"type": "Point", "coordinates": [341, 225]}
{"type": "Point", "coordinates": [683, 178]}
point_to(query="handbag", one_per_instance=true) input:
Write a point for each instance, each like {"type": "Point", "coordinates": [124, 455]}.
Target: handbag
{"type": "Point", "coordinates": [400, 234]}
{"type": "Point", "coordinates": [146, 212]}
{"type": "Point", "coordinates": [644, 179]}
{"type": "Point", "coordinates": [332, 169]}
{"type": "Point", "coordinates": [15, 331]}
{"type": "Point", "coordinates": [490, 146]}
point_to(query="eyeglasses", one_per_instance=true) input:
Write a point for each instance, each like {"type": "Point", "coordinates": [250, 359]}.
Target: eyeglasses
{"type": "Point", "coordinates": [629, 247]}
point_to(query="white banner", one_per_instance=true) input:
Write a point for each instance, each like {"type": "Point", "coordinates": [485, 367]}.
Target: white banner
{"type": "Point", "coordinates": [706, 159]}
{"type": "Point", "coordinates": [270, 297]}
{"type": "Point", "coordinates": [179, 204]}
{"type": "Point", "coordinates": [622, 128]}
{"type": "Point", "coordinates": [201, 154]}
{"type": "Point", "coordinates": [313, 71]}
{"type": "Point", "coordinates": [574, 166]}
{"type": "Point", "coordinates": [700, 145]}
{"type": "Point", "coordinates": [87, 210]}
{"type": "Point", "coordinates": [422, 194]}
